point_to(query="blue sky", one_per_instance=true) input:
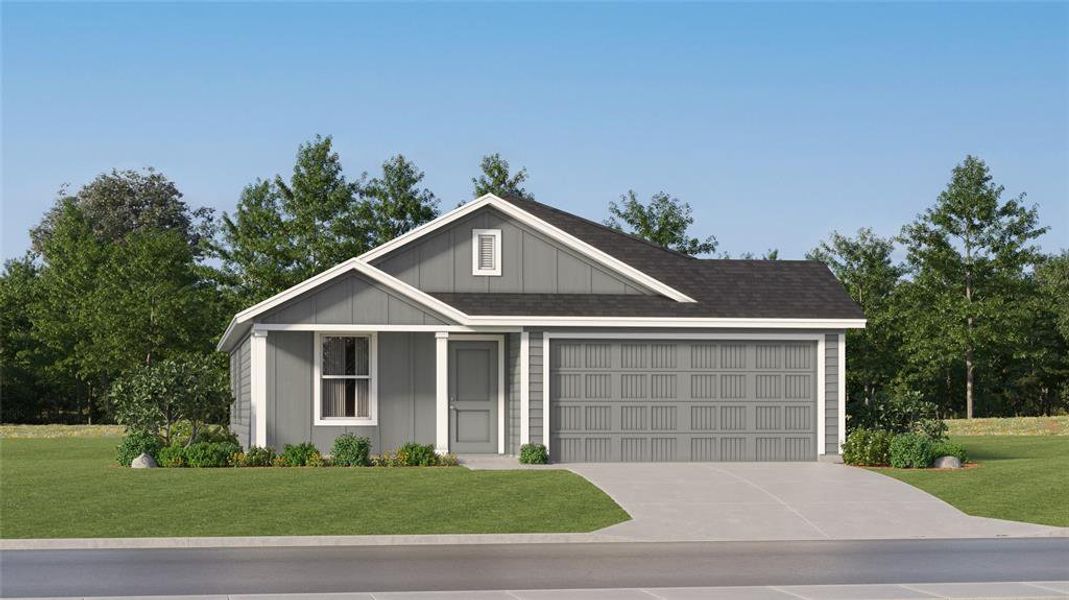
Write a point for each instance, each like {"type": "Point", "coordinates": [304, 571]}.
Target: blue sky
{"type": "Point", "coordinates": [777, 122]}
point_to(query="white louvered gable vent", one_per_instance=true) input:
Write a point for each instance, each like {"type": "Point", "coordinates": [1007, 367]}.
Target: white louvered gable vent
{"type": "Point", "coordinates": [486, 252]}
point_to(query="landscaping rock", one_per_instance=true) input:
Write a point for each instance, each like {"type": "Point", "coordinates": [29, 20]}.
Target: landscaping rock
{"type": "Point", "coordinates": [143, 461]}
{"type": "Point", "coordinates": [947, 462]}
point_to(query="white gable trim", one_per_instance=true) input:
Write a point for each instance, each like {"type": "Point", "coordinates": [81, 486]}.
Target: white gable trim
{"type": "Point", "coordinates": [534, 222]}
{"type": "Point", "coordinates": [353, 264]}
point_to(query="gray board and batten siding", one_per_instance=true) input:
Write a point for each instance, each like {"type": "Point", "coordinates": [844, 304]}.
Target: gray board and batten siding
{"type": "Point", "coordinates": [531, 262]}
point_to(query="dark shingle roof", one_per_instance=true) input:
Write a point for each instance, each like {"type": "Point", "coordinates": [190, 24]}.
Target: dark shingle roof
{"type": "Point", "coordinates": [723, 288]}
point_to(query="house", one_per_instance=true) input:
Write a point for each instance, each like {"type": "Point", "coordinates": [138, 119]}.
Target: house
{"type": "Point", "coordinates": [507, 321]}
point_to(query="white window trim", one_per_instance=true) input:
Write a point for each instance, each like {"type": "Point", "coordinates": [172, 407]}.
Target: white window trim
{"type": "Point", "coordinates": [475, 270]}
{"type": "Point", "coordinates": [373, 386]}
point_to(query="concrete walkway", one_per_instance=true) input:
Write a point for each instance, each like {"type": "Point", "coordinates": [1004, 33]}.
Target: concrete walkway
{"type": "Point", "coordinates": [779, 501]}
{"type": "Point", "coordinates": [950, 591]}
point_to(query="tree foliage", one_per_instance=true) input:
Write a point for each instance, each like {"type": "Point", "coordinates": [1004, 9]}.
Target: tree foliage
{"type": "Point", "coordinates": [284, 232]}
{"type": "Point", "coordinates": [664, 220]}
{"type": "Point", "coordinates": [967, 256]}
{"type": "Point", "coordinates": [865, 266]}
{"type": "Point", "coordinates": [154, 398]}
{"type": "Point", "coordinates": [395, 203]}
{"type": "Point", "coordinates": [497, 178]}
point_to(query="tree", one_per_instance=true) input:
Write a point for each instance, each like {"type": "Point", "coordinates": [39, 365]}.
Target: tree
{"type": "Point", "coordinates": [865, 267]}
{"type": "Point", "coordinates": [497, 179]}
{"type": "Point", "coordinates": [116, 292]}
{"type": "Point", "coordinates": [663, 221]}
{"type": "Point", "coordinates": [284, 232]}
{"type": "Point", "coordinates": [967, 256]}
{"type": "Point", "coordinates": [120, 202]}
{"type": "Point", "coordinates": [395, 203]}
{"type": "Point", "coordinates": [154, 398]}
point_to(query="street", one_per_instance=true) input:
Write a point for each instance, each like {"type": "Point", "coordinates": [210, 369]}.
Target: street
{"type": "Point", "coordinates": [528, 566]}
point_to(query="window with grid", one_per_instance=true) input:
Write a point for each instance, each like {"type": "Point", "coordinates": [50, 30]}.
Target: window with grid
{"type": "Point", "coordinates": [345, 377]}
{"type": "Point", "coordinates": [486, 252]}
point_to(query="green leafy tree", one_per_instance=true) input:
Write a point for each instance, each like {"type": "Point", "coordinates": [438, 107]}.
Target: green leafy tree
{"type": "Point", "coordinates": [865, 266]}
{"type": "Point", "coordinates": [497, 178]}
{"type": "Point", "coordinates": [665, 221]}
{"type": "Point", "coordinates": [284, 232]}
{"type": "Point", "coordinates": [124, 291]}
{"type": "Point", "coordinates": [967, 256]}
{"type": "Point", "coordinates": [28, 394]}
{"type": "Point", "coordinates": [395, 203]}
{"type": "Point", "coordinates": [154, 398]}
{"type": "Point", "coordinates": [120, 202]}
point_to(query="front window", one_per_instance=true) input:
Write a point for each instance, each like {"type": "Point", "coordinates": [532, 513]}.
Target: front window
{"type": "Point", "coordinates": [346, 389]}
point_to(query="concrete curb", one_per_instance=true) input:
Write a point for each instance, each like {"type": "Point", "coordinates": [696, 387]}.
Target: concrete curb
{"type": "Point", "coordinates": [416, 540]}
{"type": "Point", "coordinates": [949, 591]}
{"type": "Point", "coordinates": [302, 541]}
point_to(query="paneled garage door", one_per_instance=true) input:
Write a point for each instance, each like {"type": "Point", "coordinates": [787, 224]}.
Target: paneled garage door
{"type": "Point", "coordinates": [642, 400]}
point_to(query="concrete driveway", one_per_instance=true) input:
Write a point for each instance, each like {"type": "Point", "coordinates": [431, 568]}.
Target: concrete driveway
{"type": "Point", "coordinates": [770, 501]}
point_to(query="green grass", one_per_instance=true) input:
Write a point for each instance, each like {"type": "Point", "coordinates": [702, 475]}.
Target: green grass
{"type": "Point", "coordinates": [70, 487]}
{"type": "Point", "coordinates": [1010, 426]}
{"type": "Point", "coordinates": [1019, 478]}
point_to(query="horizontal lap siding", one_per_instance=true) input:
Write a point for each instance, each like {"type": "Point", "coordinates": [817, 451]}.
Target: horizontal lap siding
{"type": "Point", "coordinates": [512, 399]}
{"type": "Point", "coordinates": [240, 382]}
{"type": "Point", "coordinates": [536, 382]}
{"type": "Point", "coordinates": [831, 397]}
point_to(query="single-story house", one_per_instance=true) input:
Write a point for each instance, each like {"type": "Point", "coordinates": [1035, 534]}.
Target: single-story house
{"type": "Point", "coordinates": [507, 321]}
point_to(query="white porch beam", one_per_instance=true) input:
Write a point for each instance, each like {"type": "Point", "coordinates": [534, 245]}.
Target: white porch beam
{"type": "Point", "coordinates": [441, 402]}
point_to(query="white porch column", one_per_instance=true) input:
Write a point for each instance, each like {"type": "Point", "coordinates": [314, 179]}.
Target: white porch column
{"type": "Point", "coordinates": [441, 395]}
{"type": "Point", "coordinates": [842, 391]}
{"type": "Point", "coordinates": [822, 415]}
{"type": "Point", "coordinates": [258, 386]}
{"type": "Point", "coordinates": [525, 388]}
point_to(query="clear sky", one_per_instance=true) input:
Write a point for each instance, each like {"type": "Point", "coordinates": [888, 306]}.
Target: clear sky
{"type": "Point", "coordinates": [777, 122]}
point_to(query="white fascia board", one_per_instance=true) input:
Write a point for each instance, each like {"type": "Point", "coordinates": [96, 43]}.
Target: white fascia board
{"type": "Point", "coordinates": [530, 220]}
{"type": "Point", "coordinates": [531, 321]}
{"type": "Point", "coordinates": [353, 264]}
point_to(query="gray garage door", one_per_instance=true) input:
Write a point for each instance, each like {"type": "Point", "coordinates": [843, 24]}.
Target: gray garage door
{"type": "Point", "coordinates": [639, 400]}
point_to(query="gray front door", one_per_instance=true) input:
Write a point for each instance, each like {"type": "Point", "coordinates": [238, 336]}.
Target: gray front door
{"type": "Point", "coordinates": [473, 397]}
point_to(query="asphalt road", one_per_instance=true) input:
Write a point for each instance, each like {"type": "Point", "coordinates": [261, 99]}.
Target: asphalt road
{"type": "Point", "coordinates": [526, 566]}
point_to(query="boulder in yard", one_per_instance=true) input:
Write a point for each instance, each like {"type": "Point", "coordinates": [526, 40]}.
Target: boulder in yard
{"type": "Point", "coordinates": [947, 462]}
{"type": "Point", "coordinates": [144, 461]}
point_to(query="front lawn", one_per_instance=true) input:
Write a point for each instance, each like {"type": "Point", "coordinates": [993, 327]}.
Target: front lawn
{"type": "Point", "coordinates": [70, 487]}
{"type": "Point", "coordinates": [1018, 477]}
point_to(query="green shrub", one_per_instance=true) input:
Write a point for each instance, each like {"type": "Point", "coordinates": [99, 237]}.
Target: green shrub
{"type": "Point", "coordinates": [533, 454]}
{"type": "Point", "coordinates": [949, 448]}
{"type": "Point", "coordinates": [417, 455]}
{"type": "Point", "coordinates": [868, 447]}
{"type": "Point", "coordinates": [257, 457]}
{"type": "Point", "coordinates": [157, 398]}
{"type": "Point", "coordinates": [897, 411]}
{"type": "Point", "coordinates": [135, 443]}
{"type": "Point", "coordinates": [351, 451]}
{"type": "Point", "coordinates": [211, 454]}
{"type": "Point", "coordinates": [297, 455]}
{"type": "Point", "coordinates": [318, 460]}
{"type": "Point", "coordinates": [386, 459]}
{"type": "Point", "coordinates": [279, 461]}
{"type": "Point", "coordinates": [933, 429]}
{"type": "Point", "coordinates": [172, 456]}
{"type": "Point", "coordinates": [911, 451]}
{"type": "Point", "coordinates": [448, 460]}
